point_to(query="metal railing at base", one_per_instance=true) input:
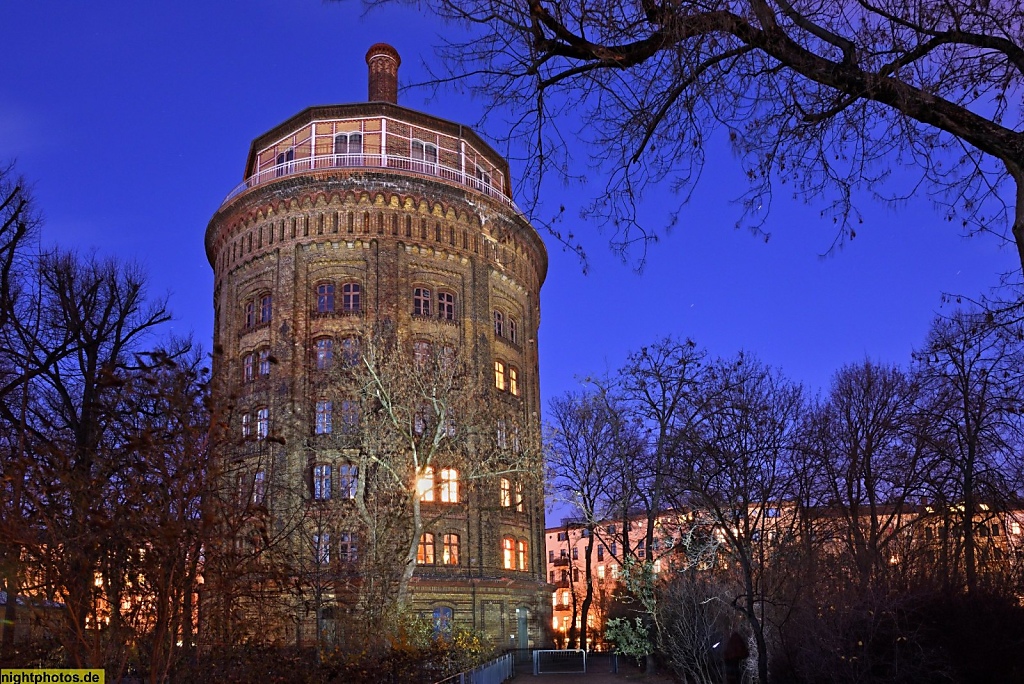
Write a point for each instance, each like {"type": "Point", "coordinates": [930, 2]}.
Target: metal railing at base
{"type": "Point", "coordinates": [573, 660]}
{"type": "Point", "coordinates": [494, 672]}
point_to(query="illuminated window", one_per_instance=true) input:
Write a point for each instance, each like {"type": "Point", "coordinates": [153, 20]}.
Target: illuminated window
{"type": "Point", "coordinates": [600, 572]}
{"type": "Point", "coordinates": [325, 298]}
{"type": "Point", "coordinates": [425, 551]}
{"type": "Point", "coordinates": [446, 306]}
{"type": "Point", "coordinates": [450, 551]}
{"type": "Point", "coordinates": [499, 374]}
{"type": "Point", "coordinates": [615, 571]}
{"type": "Point", "coordinates": [1014, 527]}
{"type": "Point", "coordinates": [521, 554]}
{"type": "Point", "coordinates": [248, 367]}
{"type": "Point", "coordinates": [324, 423]}
{"type": "Point", "coordinates": [348, 481]}
{"type": "Point", "coordinates": [264, 362]}
{"type": "Point", "coordinates": [508, 549]}
{"type": "Point", "coordinates": [425, 485]}
{"type": "Point", "coordinates": [449, 485]}
{"type": "Point", "coordinates": [323, 349]}
{"type": "Point", "coordinates": [262, 423]}
{"type": "Point", "coordinates": [322, 548]}
{"type": "Point", "coordinates": [421, 301]}
{"type": "Point", "coordinates": [266, 308]}
{"type": "Point", "coordinates": [513, 381]}
{"type": "Point", "coordinates": [506, 493]}
{"type": "Point", "coordinates": [513, 330]}
{"type": "Point", "coordinates": [565, 597]}
{"type": "Point", "coordinates": [321, 482]}
{"type": "Point", "coordinates": [350, 298]}
{"type": "Point", "coordinates": [499, 324]}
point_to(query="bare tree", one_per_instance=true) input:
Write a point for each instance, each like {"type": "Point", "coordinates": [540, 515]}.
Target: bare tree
{"type": "Point", "coordinates": [18, 221]}
{"type": "Point", "coordinates": [824, 97]}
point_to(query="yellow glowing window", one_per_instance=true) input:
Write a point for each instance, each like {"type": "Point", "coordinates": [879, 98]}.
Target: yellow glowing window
{"type": "Point", "coordinates": [425, 485]}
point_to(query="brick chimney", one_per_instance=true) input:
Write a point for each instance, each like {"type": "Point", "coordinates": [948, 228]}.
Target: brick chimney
{"type": "Point", "coordinates": [383, 61]}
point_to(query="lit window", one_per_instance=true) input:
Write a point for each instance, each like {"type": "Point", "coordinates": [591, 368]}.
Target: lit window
{"type": "Point", "coordinates": [350, 296]}
{"type": "Point", "coordinates": [513, 381]}
{"type": "Point", "coordinates": [259, 487]}
{"type": "Point", "coordinates": [262, 423]}
{"type": "Point", "coordinates": [1014, 527]}
{"type": "Point", "coordinates": [420, 354]}
{"type": "Point", "coordinates": [322, 482]}
{"type": "Point", "coordinates": [250, 314]}
{"type": "Point", "coordinates": [600, 572]}
{"type": "Point", "coordinates": [521, 554]}
{"type": "Point", "coordinates": [450, 552]}
{"type": "Point", "coordinates": [657, 565]}
{"type": "Point", "coordinates": [349, 417]}
{"type": "Point", "coordinates": [324, 417]}
{"type": "Point", "coordinates": [323, 349]}
{"type": "Point", "coordinates": [266, 308]}
{"type": "Point", "coordinates": [449, 485]}
{"type": "Point", "coordinates": [446, 306]}
{"type": "Point", "coordinates": [350, 351]}
{"type": "Point", "coordinates": [325, 298]}
{"type": "Point", "coordinates": [499, 324]}
{"type": "Point", "coordinates": [615, 571]}
{"type": "Point", "coordinates": [248, 369]}
{"type": "Point", "coordinates": [508, 550]}
{"type": "Point", "coordinates": [499, 375]}
{"type": "Point", "coordinates": [421, 301]}
{"type": "Point", "coordinates": [425, 552]}
{"type": "Point", "coordinates": [506, 493]}
{"type": "Point", "coordinates": [246, 426]}
{"type": "Point", "coordinates": [348, 481]}
{"type": "Point", "coordinates": [322, 546]}
{"type": "Point", "coordinates": [348, 547]}
{"type": "Point", "coordinates": [425, 485]}
{"type": "Point", "coordinates": [519, 497]}
{"type": "Point", "coordinates": [264, 357]}
{"type": "Point", "coordinates": [513, 331]}
{"type": "Point", "coordinates": [565, 597]}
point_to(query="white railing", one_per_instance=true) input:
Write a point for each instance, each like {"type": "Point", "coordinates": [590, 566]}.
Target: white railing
{"type": "Point", "coordinates": [494, 672]}
{"type": "Point", "coordinates": [389, 162]}
{"type": "Point", "coordinates": [572, 660]}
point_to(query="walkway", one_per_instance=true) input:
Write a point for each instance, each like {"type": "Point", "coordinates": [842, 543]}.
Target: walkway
{"type": "Point", "coordinates": [628, 674]}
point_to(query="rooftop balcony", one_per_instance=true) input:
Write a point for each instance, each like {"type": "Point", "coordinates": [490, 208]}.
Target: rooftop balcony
{"type": "Point", "coordinates": [323, 164]}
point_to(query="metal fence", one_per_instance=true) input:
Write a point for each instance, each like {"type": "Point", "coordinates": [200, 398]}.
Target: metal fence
{"type": "Point", "coordinates": [494, 672]}
{"type": "Point", "coordinates": [562, 661]}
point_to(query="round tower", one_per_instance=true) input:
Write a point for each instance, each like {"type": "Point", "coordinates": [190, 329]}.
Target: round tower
{"type": "Point", "coordinates": [351, 219]}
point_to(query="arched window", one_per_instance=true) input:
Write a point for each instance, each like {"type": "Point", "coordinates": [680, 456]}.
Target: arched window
{"type": "Point", "coordinates": [348, 149]}
{"type": "Point", "coordinates": [248, 367]}
{"type": "Point", "coordinates": [249, 316]}
{"type": "Point", "coordinates": [420, 354]}
{"type": "Point", "coordinates": [499, 324]}
{"type": "Point", "coordinates": [450, 550]}
{"type": "Point", "coordinates": [446, 306]}
{"type": "Point", "coordinates": [425, 154]}
{"type": "Point", "coordinates": [351, 351]}
{"type": "Point", "coordinates": [425, 485]}
{"type": "Point", "coordinates": [350, 298]}
{"type": "Point", "coordinates": [425, 551]}
{"type": "Point", "coordinates": [499, 374]}
{"type": "Point", "coordinates": [264, 362]}
{"type": "Point", "coordinates": [323, 352]}
{"type": "Point", "coordinates": [513, 381]}
{"type": "Point", "coordinates": [284, 160]}
{"type": "Point", "coordinates": [521, 554]}
{"type": "Point", "coordinates": [246, 425]}
{"type": "Point", "coordinates": [421, 301]}
{"type": "Point", "coordinates": [325, 298]}
{"type": "Point", "coordinates": [508, 553]}
{"type": "Point", "coordinates": [513, 330]}
{"type": "Point", "coordinates": [266, 308]}
{"type": "Point", "coordinates": [443, 621]}
{"type": "Point", "coordinates": [449, 485]}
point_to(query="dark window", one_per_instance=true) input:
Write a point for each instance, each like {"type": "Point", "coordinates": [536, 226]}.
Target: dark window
{"type": "Point", "coordinates": [421, 301]}
{"type": "Point", "coordinates": [446, 306]}
{"type": "Point", "coordinates": [324, 423]}
{"type": "Point", "coordinates": [348, 149]}
{"type": "Point", "coordinates": [284, 160]}
{"type": "Point", "coordinates": [350, 297]}
{"type": "Point", "coordinates": [349, 417]}
{"type": "Point", "coordinates": [348, 481]}
{"type": "Point", "coordinates": [264, 357]}
{"type": "Point", "coordinates": [499, 324]}
{"type": "Point", "coordinates": [323, 350]}
{"type": "Point", "coordinates": [250, 314]}
{"type": "Point", "coordinates": [513, 331]}
{"type": "Point", "coordinates": [420, 354]}
{"type": "Point", "coordinates": [350, 351]}
{"type": "Point", "coordinates": [348, 547]}
{"type": "Point", "coordinates": [248, 370]}
{"type": "Point", "coordinates": [266, 308]}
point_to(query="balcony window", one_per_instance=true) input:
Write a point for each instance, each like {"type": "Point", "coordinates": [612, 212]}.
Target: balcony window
{"type": "Point", "coordinates": [348, 149]}
{"type": "Point", "coordinates": [284, 162]}
{"type": "Point", "coordinates": [425, 154]}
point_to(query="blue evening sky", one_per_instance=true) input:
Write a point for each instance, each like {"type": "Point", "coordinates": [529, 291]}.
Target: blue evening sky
{"type": "Point", "coordinates": [133, 120]}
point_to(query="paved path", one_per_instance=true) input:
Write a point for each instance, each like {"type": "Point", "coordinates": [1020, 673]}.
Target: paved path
{"type": "Point", "coordinates": [626, 675]}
